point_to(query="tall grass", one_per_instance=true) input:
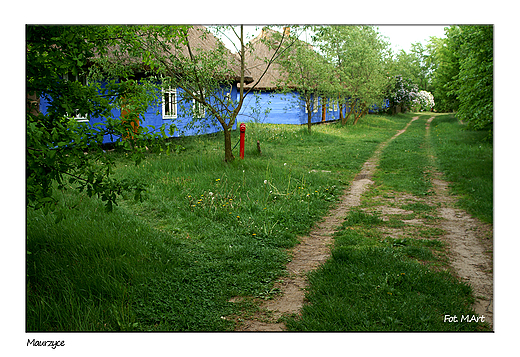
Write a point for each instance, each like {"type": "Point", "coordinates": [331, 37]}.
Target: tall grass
{"type": "Point", "coordinates": [80, 272]}
{"type": "Point", "coordinates": [205, 232]}
{"type": "Point", "coordinates": [466, 159]}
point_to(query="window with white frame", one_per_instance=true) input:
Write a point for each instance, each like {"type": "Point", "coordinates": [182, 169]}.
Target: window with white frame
{"type": "Point", "coordinates": [330, 104]}
{"type": "Point", "coordinates": [198, 109]}
{"type": "Point", "coordinates": [228, 95]}
{"type": "Point", "coordinates": [314, 105]}
{"type": "Point", "coordinates": [82, 79]}
{"type": "Point", "coordinates": [169, 103]}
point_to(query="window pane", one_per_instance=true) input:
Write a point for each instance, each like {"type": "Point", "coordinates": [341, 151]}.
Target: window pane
{"type": "Point", "coordinates": [173, 103]}
{"type": "Point", "coordinates": [169, 103]}
{"type": "Point", "coordinates": [166, 103]}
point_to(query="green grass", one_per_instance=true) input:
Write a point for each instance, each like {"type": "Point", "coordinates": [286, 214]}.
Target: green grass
{"type": "Point", "coordinates": [80, 273]}
{"type": "Point", "coordinates": [375, 282]}
{"type": "Point", "coordinates": [205, 232]}
{"type": "Point", "coordinates": [376, 289]}
{"type": "Point", "coordinates": [466, 159]}
{"type": "Point", "coordinates": [403, 163]}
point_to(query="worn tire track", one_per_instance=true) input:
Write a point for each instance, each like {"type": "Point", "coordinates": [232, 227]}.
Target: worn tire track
{"type": "Point", "coordinates": [467, 245]}
{"type": "Point", "coordinates": [313, 250]}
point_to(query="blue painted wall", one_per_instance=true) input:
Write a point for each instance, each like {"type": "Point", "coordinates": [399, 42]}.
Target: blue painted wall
{"type": "Point", "coordinates": [282, 108]}
{"type": "Point", "coordinates": [259, 106]}
{"type": "Point", "coordinates": [152, 119]}
{"type": "Point", "coordinates": [375, 109]}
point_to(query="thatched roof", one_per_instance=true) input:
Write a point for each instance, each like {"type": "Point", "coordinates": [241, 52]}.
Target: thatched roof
{"type": "Point", "coordinates": [200, 40]}
{"type": "Point", "coordinates": [255, 60]}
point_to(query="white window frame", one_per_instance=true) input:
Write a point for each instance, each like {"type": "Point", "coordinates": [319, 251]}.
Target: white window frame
{"type": "Point", "coordinates": [79, 118]}
{"type": "Point", "coordinates": [171, 92]}
{"type": "Point", "coordinates": [198, 109]}
{"type": "Point", "coordinates": [314, 106]}
{"type": "Point", "coordinates": [228, 95]}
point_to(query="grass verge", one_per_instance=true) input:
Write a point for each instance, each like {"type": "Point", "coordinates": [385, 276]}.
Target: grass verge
{"type": "Point", "coordinates": [466, 159]}
{"type": "Point", "coordinates": [205, 233]}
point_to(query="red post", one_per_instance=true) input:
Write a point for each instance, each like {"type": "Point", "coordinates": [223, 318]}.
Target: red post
{"type": "Point", "coordinates": [242, 137]}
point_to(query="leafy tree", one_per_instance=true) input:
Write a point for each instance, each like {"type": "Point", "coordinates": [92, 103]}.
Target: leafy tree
{"type": "Point", "coordinates": [306, 72]}
{"type": "Point", "coordinates": [463, 76]}
{"type": "Point", "coordinates": [424, 65]}
{"type": "Point", "coordinates": [445, 54]}
{"type": "Point", "coordinates": [410, 73]}
{"type": "Point", "coordinates": [475, 79]}
{"type": "Point", "coordinates": [64, 65]}
{"type": "Point", "coordinates": [406, 65]}
{"type": "Point", "coordinates": [358, 52]}
{"type": "Point", "coordinates": [204, 74]}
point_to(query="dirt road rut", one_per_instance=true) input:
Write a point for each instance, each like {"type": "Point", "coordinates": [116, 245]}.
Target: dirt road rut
{"type": "Point", "coordinates": [470, 245]}
{"type": "Point", "coordinates": [468, 253]}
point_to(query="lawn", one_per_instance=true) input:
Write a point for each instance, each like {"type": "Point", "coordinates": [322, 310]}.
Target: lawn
{"type": "Point", "coordinates": [207, 231]}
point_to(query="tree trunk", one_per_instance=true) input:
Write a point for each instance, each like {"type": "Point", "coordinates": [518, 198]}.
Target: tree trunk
{"type": "Point", "coordinates": [309, 113]}
{"type": "Point", "coordinates": [361, 113]}
{"type": "Point", "coordinates": [228, 156]}
{"type": "Point", "coordinates": [341, 113]}
{"type": "Point", "coordinates": [349, 111]}
{"type": "Point", "coordinates": [357, 118]}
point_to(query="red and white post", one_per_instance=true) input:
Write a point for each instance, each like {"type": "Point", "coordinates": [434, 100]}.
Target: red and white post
{"type": "Point", "coordinates": [242, 139]}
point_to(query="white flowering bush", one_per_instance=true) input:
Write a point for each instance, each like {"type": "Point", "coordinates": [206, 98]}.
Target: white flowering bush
{"type": "Point", "coordinates": [403, 93]}
{"type": "Point", "coordinates": [426, 100]}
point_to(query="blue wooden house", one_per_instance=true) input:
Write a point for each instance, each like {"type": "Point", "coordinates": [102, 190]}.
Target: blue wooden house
{"type": "Point", "coordinates": [266, 104]}
{"type": "Point", "coordinates": [172, 109]}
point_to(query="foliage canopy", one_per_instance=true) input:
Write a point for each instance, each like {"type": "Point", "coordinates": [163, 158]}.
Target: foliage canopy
{"type": "Point", "coordinates": [475, 79]}
{"type": "Point", "coordinates": [64, 65]}
{"type": "Point", "coordinates": [463, 77]}
{"type": "Point", "coordinates": [359, 54]}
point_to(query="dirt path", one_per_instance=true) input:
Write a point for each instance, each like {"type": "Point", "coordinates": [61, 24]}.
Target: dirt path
{"type": "Point", "coordinates": [312, 251]}
{"type": "Point", "coordinates": [470, 245]}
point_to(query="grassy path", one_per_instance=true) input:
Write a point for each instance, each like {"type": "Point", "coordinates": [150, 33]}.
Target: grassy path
{"type": "Point", "coordinates": [465, 237]}
{"type": "Point", "coordinates": [205, 232]}
{"type": "Point", "coordinates": [391, 265]}
{"type": "Point", "coordinates": [314, 249]}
